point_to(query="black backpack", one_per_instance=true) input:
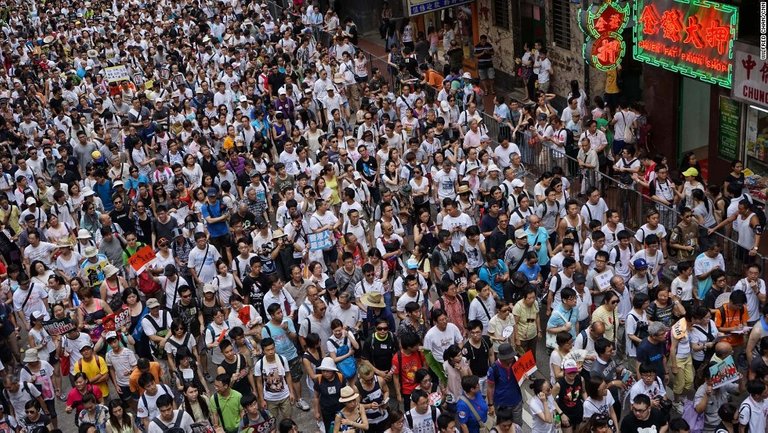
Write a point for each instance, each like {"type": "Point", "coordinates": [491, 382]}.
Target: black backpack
{"type": "Point", "coordinates": [570, 141]}
{"type": "Point", "coordinates": [641, 330]}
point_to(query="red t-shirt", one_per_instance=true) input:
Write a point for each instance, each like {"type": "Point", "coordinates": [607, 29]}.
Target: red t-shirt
{"type": "Point", "coordinates": [407, 370]}
{"type": "Point", "coordinates": [75, 399]}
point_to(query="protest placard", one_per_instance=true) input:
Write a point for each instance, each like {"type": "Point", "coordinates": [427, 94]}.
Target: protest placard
{"type": "Point", "coordinates": [141, 258]}
{"type": "Point", "coordinates": [59, 326]}
{"type": "Point", "coordinates": [723, 373]}
{"type": "Point", "coordinates": [116, 73]}
{"type": "Point", "coordinates": [524, 367]}
{"type": "Point", "coordinates": [680, 329]}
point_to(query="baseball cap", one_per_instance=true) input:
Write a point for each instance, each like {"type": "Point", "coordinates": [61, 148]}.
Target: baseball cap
{"type": "Point", "coordinates": [570, 366]}
{"type": "Point", "coordinates": [640, 264]}
{"type": "Point", "coordinates": [517, 183]}
{"type": "Point", "coordinates": [520, 234]}
{"type": "Point", "coordinates": [212, 192]}
{"type": "Point", "coordinates": [579, 278]}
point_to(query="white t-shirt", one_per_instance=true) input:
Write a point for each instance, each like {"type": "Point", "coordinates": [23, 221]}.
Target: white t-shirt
{"type": "Point", "coordinates": [536, 406]}
{"type": "Point", "coordinates": [32, 301]}
{"type": "Point", "coordinates": [204, 265]}
{"type": "Point", "coordinates": [445, 183]}
{"type": "Point", "coordinates": [462, 221]}
{"type": "Point", "coordinates": [655, 389]}
{"type": "Point", "coordinates": [123, 362]}
{"type": "Point", "coordinates": [594, 212]}
{"type": "Point", "coordinates": [698, 335]}
{"type": "Point", "coordinates": [633, 319]}
{"type": "Point", "coordinates": [437, 341]}
{"type": "Point", "coordinates": [147, 407]}
{"type": "Point", "coordinates": [753, 414]}
{"type": "Point", "coordinates": [422, 423]}
{"type": "Point", "coordinates": [683, 289]}
{"type": "Point", "coordinates": [185, 423]}
{"type": "Point", "coordinates": [482, 311]}
{"type": "Point", "coordinates": [592, 406]}
{"type": "Point", "coordinates": [753, 302]}
{"type": "Point", "coordinates": [27, 391]}
{"type": "Point", "coordinates": [274, 385]}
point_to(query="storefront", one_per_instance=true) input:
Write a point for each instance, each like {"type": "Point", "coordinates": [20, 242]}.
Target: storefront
{"type": "Point", "coordinates": [461, 16]}
{"type": "Point", "coordinates": [743, 128]}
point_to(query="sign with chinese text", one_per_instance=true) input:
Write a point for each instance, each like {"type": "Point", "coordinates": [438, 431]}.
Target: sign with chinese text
{"type": "Point", "coordinates": [524, 367]}
{"type": "Point", "coordinates": [141, 258]}
{"type": "Point", "coordinates": [730, 128]}
{"type": "Point", "coordinates": [418, 7]}
{"type": "Point", "coordinates": [602, 26]}
{"type": "Point", "coordinates": [750, 75]}
{"type": "Point", "coordinates": [116, 73]}
{"type": "Point", "coordinates": [689, 37]}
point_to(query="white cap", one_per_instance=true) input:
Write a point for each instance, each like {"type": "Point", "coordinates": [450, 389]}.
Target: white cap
{"type": "Point", "coordinates": [517, 183]}
{"type": "Point", "coordinates": [30, 201]}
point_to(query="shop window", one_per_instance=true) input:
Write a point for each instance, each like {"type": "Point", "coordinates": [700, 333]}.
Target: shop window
{"type": "Point", "coordinates": [501, 13]}
{"type": "Point", "coordinates": [561, 23]}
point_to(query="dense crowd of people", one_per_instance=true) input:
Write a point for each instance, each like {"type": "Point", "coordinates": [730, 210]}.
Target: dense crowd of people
{"type": "Point", "coordinates": [212, 218]}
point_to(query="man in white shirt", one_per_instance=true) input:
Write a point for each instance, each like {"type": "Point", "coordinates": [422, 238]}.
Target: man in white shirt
{"type": "Point", "coordinates": [754, 287]}
{"type": "Point", "coordinates": [503, 153]}
{"type": "Point", "coordinates": [169, 418]}
{"type": "Point", "coordinates": [437, 339]}
{"type": "Point", "coordinates": [543, 69]}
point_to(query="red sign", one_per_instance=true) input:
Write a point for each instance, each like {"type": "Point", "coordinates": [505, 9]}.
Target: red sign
{"type": "Point", "coordinates": [141, 258]}
{"type": "Point", "coordinates": [603, 45]}
{"type": "Point", "coordinates": [686, 36]}
{"type": "Point", "coordinates": [524, 367]}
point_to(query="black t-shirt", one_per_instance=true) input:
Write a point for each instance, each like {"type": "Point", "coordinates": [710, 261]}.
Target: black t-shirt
{"type": "Point", "coordinates": [188, 314]}
{"type": "Point", "coordinates": [123, 219]}
{"type": "Point", "coordinates": [241, 385]}
{"type": "Point", "coordinates": [254, 288]}
{"type": "Point", "coordinates": [478, 356]}
{"type": "Point", "coordinates": [654, 423]}
{"type": "Point", "coordinates": [380, 352]}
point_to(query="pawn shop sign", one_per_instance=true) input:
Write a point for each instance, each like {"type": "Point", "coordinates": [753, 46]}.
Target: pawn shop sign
{"type": "Point", "coordinates": [602, 24]}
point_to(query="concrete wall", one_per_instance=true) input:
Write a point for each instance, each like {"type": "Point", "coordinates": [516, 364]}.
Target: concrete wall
{"type": "Point", "coordinates": [568, 63]}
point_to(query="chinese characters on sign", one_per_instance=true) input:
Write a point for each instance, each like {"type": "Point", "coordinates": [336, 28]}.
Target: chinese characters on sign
{"type": "Point", "coordinates": [750, 75]}
{"type": "Point", "coordinates": [686, 36]}
{"type": "Point", "coordinates": [418, 7]}
{"type": "Point", "coordinates": [602, 25]}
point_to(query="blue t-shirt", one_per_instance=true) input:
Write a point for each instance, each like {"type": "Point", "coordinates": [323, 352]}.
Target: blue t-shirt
{"type": "Point", "coordinates": [541, 237]}
{"type": "Point", "coordinates": [652, 353]}
{"type": "Point", "coordinates": [560, 316]}
{"type": "Point", "coordinates": [283, 344]}
{"type": "Point", "coordinates": [217, 229]}
{"type": "Point", "coordinates": [104, 191]}
{"type": "Point", "coordinates": [507, 391]}
{"type": "Point", "coordinates": [466, 416]}
{"type": "Point", "coordinates": [489, 276]}
{"type": "Point", "coordinates": [530, 272]}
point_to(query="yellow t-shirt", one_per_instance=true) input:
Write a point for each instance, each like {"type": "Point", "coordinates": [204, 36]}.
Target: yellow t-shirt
{"type": "Point", "coordinates": [608, 318]}
{"type": "Point", "coordinates": [612, 82]}
{"type": "Point", "coordinates": [96, 366]}
{"type": "Point", "coordinates": [525, 318]}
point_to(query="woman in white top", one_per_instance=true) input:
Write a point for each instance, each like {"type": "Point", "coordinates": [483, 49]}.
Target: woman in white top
{"type": "Point", "coordinates": [57, 231]}
{"type": "Point", "coordinates": [224, 281]}
{"type": "Point", "coordinates": [564, 342]}
{"type": "Point", "coordinates": [192, 171]}
{"type": "Point", "coordinates": [703, 209]}
{"type": "Point", "coordinates": [39, 274]}
{"type": "Point", "coordinates": [600, 401]}
{"type": "Point", "coordinates": [483, 307]}
{"type": "Point", "coordinates": [544, 408]}
{"type": "Point", "coordinates": [419, 187]}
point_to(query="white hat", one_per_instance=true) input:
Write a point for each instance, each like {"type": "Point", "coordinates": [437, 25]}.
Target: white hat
{"type": "Point", "coordinates": [493, 167]}
{"type": "Point", "coordinates": [467, 76]}
{"type": "Point", "coordinates": [110, 270]}
{"type": "Point", "coordinates": [110, 334]}
{"type": "Point", "coordinates": [90, 251]}
{"type": "Point", "coordinates": [152, 303]}
{"type": "Point", "coordinates": [281, 91]}
{"type": "Point", "coordinates": [30, 201]}
{"type": "Point", "coordinates": [84, 234]}
{"type": "Point", "coordinates": [327, 365]}
{"type": "Point", "coordinates": [347, 394]}
{"type": "Point", "coordinates": [520, 233]}
{"type": "Point", "coordinates": [118, 183]}
{"type": "Point", "coordinates": [87, 192]}
{"type": "Point", "coordinates": [517, 183]}
{"type": "Point", "coordinates": [329, 88]}
{"type": "Point", "coordinates": [30, 355]}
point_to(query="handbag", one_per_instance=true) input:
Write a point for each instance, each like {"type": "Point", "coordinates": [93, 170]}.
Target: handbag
{"type": "Point", "coordinates": [552, 338]}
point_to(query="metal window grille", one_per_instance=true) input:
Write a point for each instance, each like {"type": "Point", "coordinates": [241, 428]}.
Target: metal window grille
{"type": "Point", "coordinates": [501, 13]}
{"type": "Point", "coordinates": [561, 23]}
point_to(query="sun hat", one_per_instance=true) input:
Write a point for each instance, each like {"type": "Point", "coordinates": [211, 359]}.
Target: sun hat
{"type": "Point", "coordinates": [327, 365]}
{"type": "Point", "coordinates": [110, 270]}
{"type": "Point", "coordinates": [30, 355]}
{"type": "Point", "coordinates": [374, 300]}
{"type": "Point", "coordinates": [506, 352]}
{"type": "Point", "coordinates": [84, 234]}
{"type": "Point", "coordinates": [152, 303]}
{"type": "Point", "coordinates": [90, 251]}
{"type": "Point", "coordinates": [348, 394]}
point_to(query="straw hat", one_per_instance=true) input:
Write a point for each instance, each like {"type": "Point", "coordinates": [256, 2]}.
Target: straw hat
{"type": "Point", "coordinates": [110, 270]}
{"type": "Point", "coordinates": [374, 299]}
{"type": "Point", "coordinates": [463, 189]}
{"type": "Point", "coordinates": [348, 394]}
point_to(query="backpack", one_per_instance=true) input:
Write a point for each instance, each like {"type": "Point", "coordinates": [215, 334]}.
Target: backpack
{"type": "Point", "coordinates": [409, 417]}
{"type": "Point", "coordinates": [584, 338]}
{"type": "Point", "coordinates": [759, 210]}
{"type": "Point", "coordinates": [641, 330]}
{"type": "Point", "coordinates": [80, 364]}
{"type": "Point", "coordinates": [570, 141]}
{"type": "Point", "coordinates": [157, 351]}
{"type": "Point", "coordinates": [626, 178]}
{"type": "Point", "coordinates": [164, 427]}
{"type": "Point", "coordinates": [723, 316]}
{"type": "Point", "coordinates": [162, 386]}
{"type": "Point", "coordinates": [743, 405]}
